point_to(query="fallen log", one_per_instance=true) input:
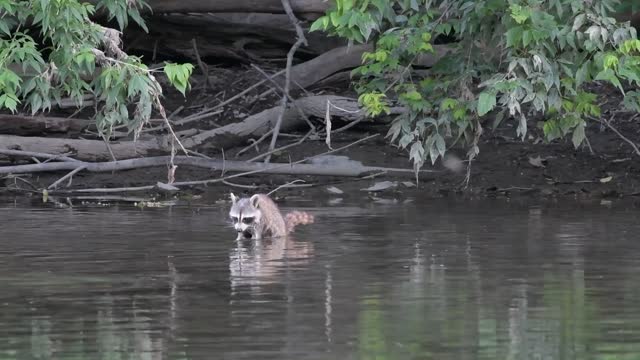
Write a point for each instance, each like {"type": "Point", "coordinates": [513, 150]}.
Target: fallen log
{"type": "Point", "coordinates": [239, 36]}
{"type": "Point", "coordinates": [342, 58]}
{"type": "Point", "coordinates": [220, 138]}
{"type": "Point", "coordinates": [222, 6]}
{"type": "Point", "coordinates": [33, 125]}
{"type": "Point", "coordinates": [318, 166]}
{"type": "Point", "coordinates": [259, 124]}
{"type": "Point", "coordinates": [89, 150]}
{"type": "Point", "coordinates": [212, 165]}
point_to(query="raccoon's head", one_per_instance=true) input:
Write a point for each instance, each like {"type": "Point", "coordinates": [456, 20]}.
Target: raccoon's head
{"type": "Point", "coordinates": [244, 214]}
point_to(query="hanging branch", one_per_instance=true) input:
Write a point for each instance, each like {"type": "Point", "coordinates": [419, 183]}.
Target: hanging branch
{"type": "Point", "coordinates": [285, 96]}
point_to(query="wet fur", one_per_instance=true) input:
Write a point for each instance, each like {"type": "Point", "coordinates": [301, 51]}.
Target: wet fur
{"type": "Point", "coordinates": [267, 218]}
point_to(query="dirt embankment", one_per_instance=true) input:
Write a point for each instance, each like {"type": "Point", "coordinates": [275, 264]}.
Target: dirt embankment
{"type": "Point", "coordinates": [506, 167]}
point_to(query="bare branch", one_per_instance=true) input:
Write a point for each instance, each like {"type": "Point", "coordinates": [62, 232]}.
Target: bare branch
{"type": "Point", "coordinates": [68, 176]}
{"type": "Point", "coordinates": [285, 96]}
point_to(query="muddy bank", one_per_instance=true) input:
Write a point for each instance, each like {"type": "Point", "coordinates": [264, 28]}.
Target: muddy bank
{"type": "Point", "coordinates": [507, 167]}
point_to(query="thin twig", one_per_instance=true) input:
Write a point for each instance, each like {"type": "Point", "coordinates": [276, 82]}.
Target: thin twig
{"type": "Point", "coordinates": [239, 185]}
{"type": "Point", "coordinates": [224, 162]}
{"type": "Point", "coordinates": [106, 142]}
{"type": "Point", "coordinates": [254, 144]}
{"type": "Point", "coordinates": [374, 175]}
{"type": "Point", "coordinates": [163, 114]}
{"type": "Point", "coordinates": [68, 176]}
{"type": "Point", "coordinates": [198, 116]}
{"type": "Point", "coordinates": [282, 147]}
{"type": "Point", "coordinates": [608, 123]}
{"type": "Point", "coordinates": [201, 65]}
{"type": "Point", "coordinates": [467, 177]}
{"type": "Point", "coordinates": [586, 139]}
{"type": "Point", "coordinates": [348, 126]}
{"type": "Point", "coordinates": [185, 120]}
{"type": "Point", "coordinates": [37, 155]}
{"type": "Point", "coordinates": [23, 180]}
{"type": "Point", "coordinates": [176, 112]}
{"type": "Point", "coordinates": [287, 83]}
{"type": "Point", "coordinates": [284, 186]}
{"type": "Point", "coordinates": [275, 83]}
{"type": "Point", "coordinates": [199, 154]}
{"type": "Point", "coordinates": [214, 110]}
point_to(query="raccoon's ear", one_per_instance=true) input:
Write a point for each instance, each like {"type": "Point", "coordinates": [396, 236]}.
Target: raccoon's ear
{"type": "Point", "coordinates": [233, 198]}
{"type": "Point", "coordinates": [254, 200]}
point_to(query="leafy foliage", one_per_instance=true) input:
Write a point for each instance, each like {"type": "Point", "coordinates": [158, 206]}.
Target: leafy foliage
{"type": "Point", "coordinates": [511, 59]}
{"type": "Point", "coordinates": [73, 57]}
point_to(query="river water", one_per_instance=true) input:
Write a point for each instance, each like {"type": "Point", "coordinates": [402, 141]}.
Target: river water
{"type": "Point", "coordinates": [443, 280]}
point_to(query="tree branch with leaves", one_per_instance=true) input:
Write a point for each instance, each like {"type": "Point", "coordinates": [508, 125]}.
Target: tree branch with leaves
{"type": "Point", "coordinates": [58, 40]}
{"type": "Point", "coordinates": [511, 60]}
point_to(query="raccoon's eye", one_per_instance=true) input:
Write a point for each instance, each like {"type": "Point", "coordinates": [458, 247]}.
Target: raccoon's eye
{"type": "Point", "coordinates": [234, 219]}
{"type": "Point", "coordinates": [247, 220]}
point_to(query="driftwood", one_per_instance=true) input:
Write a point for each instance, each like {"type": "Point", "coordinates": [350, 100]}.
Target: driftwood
{"type": "Point", "coordinates": [222, 137]}
{"type": "Point", "coordinates": [90, 150]}
{"type": "Point", "coordinates": [212, 165]}
{"type": "Point", "coordinates": [259, 124]}
{"type": "Point", "coordinates": [315, 165]}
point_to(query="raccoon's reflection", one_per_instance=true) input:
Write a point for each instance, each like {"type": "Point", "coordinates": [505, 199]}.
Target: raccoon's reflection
{"type": "Point", "coordinates": [254, 263]}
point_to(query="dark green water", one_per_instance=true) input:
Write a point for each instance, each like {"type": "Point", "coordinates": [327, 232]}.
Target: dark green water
{"type": "Point", "coordinates": [484, 280]}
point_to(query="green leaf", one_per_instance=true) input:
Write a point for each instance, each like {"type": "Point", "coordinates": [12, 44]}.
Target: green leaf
{"type": "Point", "coordinates": [519, 13]}
{"type": "Point", "coordinates": [4, 27]}
{"type": "Point", "coordinates": [609, 75]}
{"type": "Point", "coordinates": [320, 24]}
{"type": "Point", "coordinates": [486, 102]}
{"type": "Point", "coordinates": [578, 22]}
{"type": "Point", "coordinates": [448, 104]}
{"type": "Point", "coordinates": [498, 119]}
{"type": "Point", "coordinates": [578, 134]}
{"type": "Point", "coordinates": [631, 101]}
{"type": "Point", "coordinates": [178, 75]}
{"type": "Point", "coordinates": [440, 144]}
{"type": "Point", "coordinates": [417, 152]}
{"type": "Point", "coordinates": [514, 36]}
{"type": "Point", "coordinates": [527, 36]}
{"type": "Point", "coordinates": [582, 74]}
{"type": "Point", "coordinates": [405, 140]}
{"type": "Point", "coordinates": [10, 101]}
{"type": "Point", "coordinates": [610, 61]}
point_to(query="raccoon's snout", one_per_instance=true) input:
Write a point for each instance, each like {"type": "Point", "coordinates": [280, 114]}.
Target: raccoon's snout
{"type": "Point", "coordinates": [240, 227]}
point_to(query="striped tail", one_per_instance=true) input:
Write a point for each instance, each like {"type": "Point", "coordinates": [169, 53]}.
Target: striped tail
{"type": "Point", "coordinates": [296, 218]}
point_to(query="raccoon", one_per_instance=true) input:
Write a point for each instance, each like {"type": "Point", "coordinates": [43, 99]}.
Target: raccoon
{"type": "Point", "coordinates": [258, 217]}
